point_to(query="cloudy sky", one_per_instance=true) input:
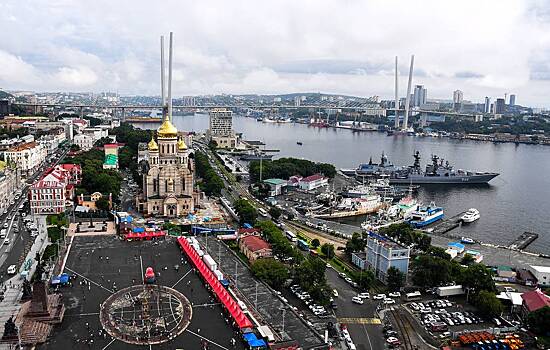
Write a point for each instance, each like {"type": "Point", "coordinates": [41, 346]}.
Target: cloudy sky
{"type": "Point", "coordinates": [483, 47]}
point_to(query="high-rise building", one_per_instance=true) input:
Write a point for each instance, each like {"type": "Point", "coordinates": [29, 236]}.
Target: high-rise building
{"type": "Point", "coordinates": [419, 95]}
{"type": "Point", "coordinates": [487, 107]}
{"type": "Point", "coordinates": [221, 128]}
{"type": "Point", "coordinates": [500, 106]}
{"type": "Point", "coordinates": [458, 97]}
{"type": "Point", "coordinates": [512, 100]}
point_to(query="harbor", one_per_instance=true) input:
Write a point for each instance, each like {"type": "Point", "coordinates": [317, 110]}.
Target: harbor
{"type": "Point", "coordinates": [445, 225]}
{"type": "Point", "coordinates": [496, 201]}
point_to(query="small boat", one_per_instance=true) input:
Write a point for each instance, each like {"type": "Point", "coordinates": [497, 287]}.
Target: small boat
{"type": "Point", "coordinates": [467, 240]}
{"type": "Point", "coordinates": [470, 216]}
{"type": "Point", "coordinates": [424, 216]}
{"type": "Point", "coordinates": [299, 143]}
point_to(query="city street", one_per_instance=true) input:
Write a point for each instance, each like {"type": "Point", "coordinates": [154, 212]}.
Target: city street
{"type": "Point", "coordinates": [361, 320]}
{"type": "Point", "coordinates": [14, 246]}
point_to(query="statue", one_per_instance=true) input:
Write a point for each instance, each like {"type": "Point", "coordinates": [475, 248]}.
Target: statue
{"type": "Point", "coordinates": [10, 330]}
{"type": "Point", "coordinates": [27, 291]}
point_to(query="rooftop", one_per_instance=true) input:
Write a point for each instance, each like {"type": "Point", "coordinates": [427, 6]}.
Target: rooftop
{"type": "Point", "coordinates": [22, 147]}
{"type": "Point", "coordinates": [255, 243]}
{"type": "Point", "coordinates": [541, 269]}
{"type": "Point", "coordinates": [275, 181]}
{"type": "Point", "coordinates": [312, 178]}
{"type": "Point", "coordinates": [535, 300]}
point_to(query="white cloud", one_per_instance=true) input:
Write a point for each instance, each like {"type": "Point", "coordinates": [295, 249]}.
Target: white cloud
{"type": "Point", "coordinates": [481, 47]}
{"type": "Point", "coordinates": [76, 76]}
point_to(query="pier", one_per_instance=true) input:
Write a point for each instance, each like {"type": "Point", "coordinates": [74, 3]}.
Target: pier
{"type": "Point", "coordinates": [523, 240]}
{"type": "Point", "coordinates": [445, 225]}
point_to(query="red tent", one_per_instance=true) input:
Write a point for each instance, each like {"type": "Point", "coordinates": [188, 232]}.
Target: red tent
{"type": "Point", "coordinates": [222, 294]}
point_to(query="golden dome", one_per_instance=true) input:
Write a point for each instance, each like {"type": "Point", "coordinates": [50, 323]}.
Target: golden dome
{"type": "Point", "coordinates": [152, 145]}
{"type": "Point", "coordinates": [167, 129]}
{"type": "Point", "coordinates": [181, 145]}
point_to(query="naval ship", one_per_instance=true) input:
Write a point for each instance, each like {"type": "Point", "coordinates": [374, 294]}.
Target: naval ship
{"type": "Point", "coordinates": [438, 172]}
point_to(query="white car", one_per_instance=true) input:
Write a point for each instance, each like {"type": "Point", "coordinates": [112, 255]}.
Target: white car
{"type": "Point", "coordinates": [395, 295]}
{"type": "Point", "coordinates": [389, 301]}
{"type": "Point", "coordinates": [379, 296]}
{"type": "Point", "coordinates": [357, 300]}
{"type": "Point", "coordinates": [364, 295]}
{"type": "Point", "coordinates": [335, 293]}
{"type": "Point", "coordinates": [12, 269]}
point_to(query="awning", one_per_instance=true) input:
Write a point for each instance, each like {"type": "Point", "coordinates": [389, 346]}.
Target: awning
{"type": "Point", "coordinates": [222, 294]}
{"type": "Point", "coordinates": [145, 235]}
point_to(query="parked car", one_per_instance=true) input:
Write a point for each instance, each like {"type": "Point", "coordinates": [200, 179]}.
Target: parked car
{"type": "Point", "coordinates": [12, 269]}
{"type": "Point", "coordinates": [379, 296]}
{"type": "Point", "coordinates": [363, 295]}
{"type": "Point", "coordinates": [357, 300]}
{"type": "Point", "coordinates": [395, 295]}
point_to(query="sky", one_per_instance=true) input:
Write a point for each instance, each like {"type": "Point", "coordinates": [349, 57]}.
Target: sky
{"type": "Point", "coordinates": [482, 47]}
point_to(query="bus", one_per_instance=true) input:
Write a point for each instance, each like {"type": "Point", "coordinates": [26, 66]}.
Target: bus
{"type": "Point", "coordinates": [413, 296]}
{"type": "Point", "coordinates": [291, 236]}
{"type": "Point", "coordinates": [262, 212]}
{"type": "Point", "coordinates": [303, 245]}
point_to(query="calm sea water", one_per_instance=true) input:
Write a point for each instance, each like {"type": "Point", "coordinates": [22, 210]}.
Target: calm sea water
{"type": "Point", "coordinates": [516, 201]}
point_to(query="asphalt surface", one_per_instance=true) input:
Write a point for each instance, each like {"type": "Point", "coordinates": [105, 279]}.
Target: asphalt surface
{"type": "Point", "coordinates": [267, 304]}
{"type": "Point", "coordinates": [361, 320]}
{"type": "Point", "coordinates": [114, 264]}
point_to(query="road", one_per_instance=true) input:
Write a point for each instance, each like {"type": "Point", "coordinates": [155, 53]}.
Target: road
{"type": "Point", "coordinates": [361, 320]}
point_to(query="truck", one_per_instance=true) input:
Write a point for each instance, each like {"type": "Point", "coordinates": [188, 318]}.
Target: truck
{"type": "Point", "coordinates": [449, 291]}
{"type": "Point", "coordinates": [212, 265]}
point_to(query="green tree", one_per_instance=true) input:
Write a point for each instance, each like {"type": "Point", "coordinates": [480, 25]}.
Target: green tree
{"type": "Point", "coordinates": [364, 278]}
{"type": "Point", "coordinates": [328, 250]}
{"type": "Point", "coordinates": [275, 213]}
{"type": "Point", "coordinates": [467, 259]}
{"type": "Point", "coordinates": [356, 243]}
{"type": "Point", "coordinates": [284, 168]}
{"type": "Point", "coordinates": [246, 212]}
{"type": "Point", "coordinates": [488, 304]}
{"type": "Point", "coordinates": [102, 204]}
{"type": "Point", "coordinates": [539, 321]}
{"type": "Point", "coordinates": [315, 243]}
{"type": "Point", "coordinates": [478, 277]}
{"type": "Point", "coordinates": [271, 271]}
{"type": "Point", "coordinates": [431, 271]}
{"type": "Point", "coordinates": [394, 279]}
{"type": "Point", "coordinates": [438, 252]}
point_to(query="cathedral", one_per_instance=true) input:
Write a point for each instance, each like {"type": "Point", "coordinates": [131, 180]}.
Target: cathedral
{"type": "Point", "coordinates": [168, 169]}
{"type": "Point", "coordinates": [168, 186]}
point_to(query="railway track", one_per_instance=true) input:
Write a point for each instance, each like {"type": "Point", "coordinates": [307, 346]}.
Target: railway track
{"type": "Point", "coordinates": [403, 327]}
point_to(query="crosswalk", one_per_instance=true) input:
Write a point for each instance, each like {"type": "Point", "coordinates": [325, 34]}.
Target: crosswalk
{"type": "Point", "coordinates": [359, 320]}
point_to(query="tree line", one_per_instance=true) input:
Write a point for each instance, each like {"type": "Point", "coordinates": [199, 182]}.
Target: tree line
{"type": "Point", "coordinates": [211, 183]}
{"type": "Point", "coordinates": [284, 168]}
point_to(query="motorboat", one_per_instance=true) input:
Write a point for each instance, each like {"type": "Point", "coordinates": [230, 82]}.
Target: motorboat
{"type": "Point", "coordinates": [470, 216]}
{"type": "Point", "coordinates": [467, 240]}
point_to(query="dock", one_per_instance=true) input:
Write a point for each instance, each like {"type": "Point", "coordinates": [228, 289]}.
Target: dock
{"type": "Point", "coordinates": [523, 240]}
{"type": "Point", "coordinates": [445, 225]}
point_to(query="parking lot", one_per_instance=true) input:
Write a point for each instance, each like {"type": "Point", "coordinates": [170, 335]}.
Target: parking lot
{"type": "Point", "coordinates": [274, 308]}
{"type": "Point", "coordinates": [442, 317]}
